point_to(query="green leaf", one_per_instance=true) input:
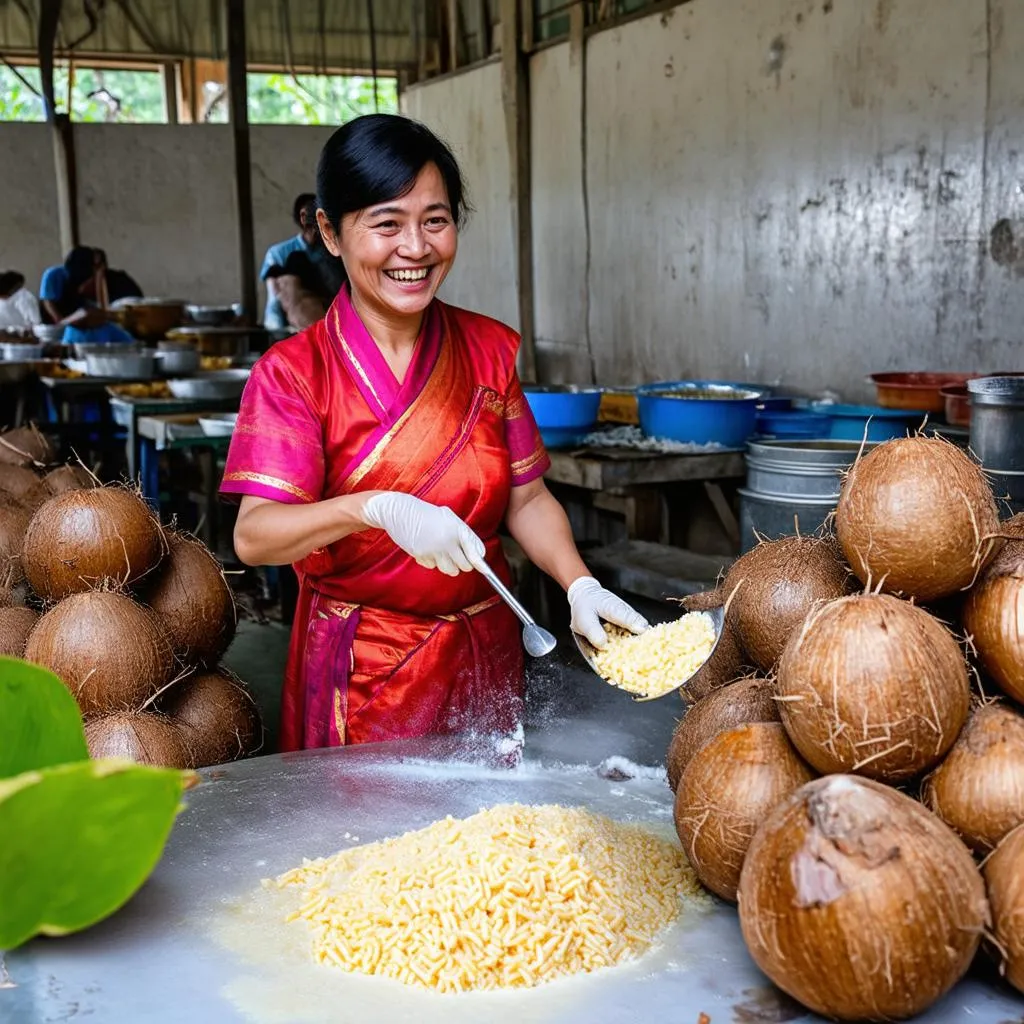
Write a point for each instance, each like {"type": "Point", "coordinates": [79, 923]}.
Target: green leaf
{"type": "Point", "coordinates": [78, 841]}
{"type": "Point", "coordinates": [40, 723]}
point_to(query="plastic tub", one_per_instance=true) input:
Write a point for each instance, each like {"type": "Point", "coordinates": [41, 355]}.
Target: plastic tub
{"type": "Point", "coordinates": [565, 413]}
{"type": "Point", "coordinates": [699, 412]}
{"type": "Point", "coordinates": [852, 422]}
{"type": "Point", "coordinates": [798, 424]}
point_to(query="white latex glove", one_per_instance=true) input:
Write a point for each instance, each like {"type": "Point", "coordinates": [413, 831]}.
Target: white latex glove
{"type": "Point", "coordinates": [590, 603]}
{"type": "Point", "coordinates": [434, 535]}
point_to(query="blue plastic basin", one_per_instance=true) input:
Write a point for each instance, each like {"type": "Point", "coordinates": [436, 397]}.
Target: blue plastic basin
{"type": "Point", "coordinates": [564, 413]}
{"type": "Point", "coordinates": [850, 422]}
{"type": "Point", "coordinates": [794, 424]}
{"type": "Point", "coordinates": [699, 412]}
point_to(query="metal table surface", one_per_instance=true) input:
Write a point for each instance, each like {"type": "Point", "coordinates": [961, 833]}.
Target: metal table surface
{"type": "Point", "coordinates": [198, 944]}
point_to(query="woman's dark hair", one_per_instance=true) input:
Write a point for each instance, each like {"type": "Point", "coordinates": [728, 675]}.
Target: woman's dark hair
{"type": "Point", "coordinates": [377, 157]}
{"type": "Point", "coordinates": [10, 282]}
{"type": "Point", "coordinates": [302, 200]}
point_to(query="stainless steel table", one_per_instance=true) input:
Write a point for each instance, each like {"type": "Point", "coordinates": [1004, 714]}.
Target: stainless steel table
{"type": "Point", "coordinates": [193, 947]}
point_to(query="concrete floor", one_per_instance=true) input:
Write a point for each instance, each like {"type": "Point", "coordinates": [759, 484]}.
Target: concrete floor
{"type": "Point", "coordinates": [588, 715]}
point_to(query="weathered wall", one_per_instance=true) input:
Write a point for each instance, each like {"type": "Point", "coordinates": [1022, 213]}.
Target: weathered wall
{"type": "Point", "coordinates": [466, 111]}
{"type": "Point", "coordinates": [781, 190]}
{"type": "Point", "coordinates": [29, 230]}
{"type": "Point", "coordinates": [159, 199]}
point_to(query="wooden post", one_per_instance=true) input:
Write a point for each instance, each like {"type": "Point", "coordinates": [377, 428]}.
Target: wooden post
{"type": "Point", "coordinates": [515, 94]}
{"type": "Point", "coordinates": [452, 17]}
{"type": "Point", "coordinates": [63, 130]}
{"type": "Point", "coordinates": [238, 98]}
{"type": "Point", "coordinates": [171, 92]}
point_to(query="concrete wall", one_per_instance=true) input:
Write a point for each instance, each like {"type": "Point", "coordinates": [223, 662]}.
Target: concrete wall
{"type": "Point", "coordinates": [159, 199]}
{"type": "Point", "coordinates": [466, 111]}
{"type": "Point", "coordinates": [799, 191]}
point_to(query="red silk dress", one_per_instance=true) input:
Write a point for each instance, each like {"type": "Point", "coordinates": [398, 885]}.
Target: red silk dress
{"type": "Point", "coordinates": [382, 648]}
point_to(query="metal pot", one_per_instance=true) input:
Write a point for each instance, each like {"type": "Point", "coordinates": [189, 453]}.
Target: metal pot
{"type": "Point", "coordinates": [214, 341]}
{"type": "Point", "coordinates": [215, 384]}
{"type": "Point", "coordinates": [121, 365]}
{"type": "Point", "coordinates": [997, 433]}
{"type": "Point", "coordinates": [148, 319]}
{"type": "Point", "coordinates": [177, 360]}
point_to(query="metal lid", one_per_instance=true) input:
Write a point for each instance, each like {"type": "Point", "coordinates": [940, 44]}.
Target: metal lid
{"type": "Point", "coordinates": [997, 391]}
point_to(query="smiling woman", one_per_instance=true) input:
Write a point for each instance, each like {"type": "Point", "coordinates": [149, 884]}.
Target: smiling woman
{"type": "Point", "coordinates": [380, 450]}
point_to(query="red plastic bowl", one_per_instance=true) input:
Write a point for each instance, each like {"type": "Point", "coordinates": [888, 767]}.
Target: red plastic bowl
{"type": "Point", "coordinates": [958, 404]}
{"type": "Point", "coordinates": [916, 390]}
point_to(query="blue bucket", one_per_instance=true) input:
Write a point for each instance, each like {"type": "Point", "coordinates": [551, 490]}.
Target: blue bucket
{"type": "Point", "coordinates": [850, 422]}
{"type": "Point", "coordinates": [699, 412]}
{"type": "Point", "coordinates": [565, 413]}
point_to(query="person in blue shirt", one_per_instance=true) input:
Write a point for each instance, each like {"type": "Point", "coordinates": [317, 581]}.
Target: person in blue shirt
{"type": "Point", "coordinates": [75, 292]}
{"type": "Point", "coordinates": [277, 255]}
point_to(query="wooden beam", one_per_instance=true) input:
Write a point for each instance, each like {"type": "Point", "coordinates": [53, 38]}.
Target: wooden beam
{"type": "Point", "coordinates": [238, 98]}
{"type": "Point", "coordinates": [515, 94]}
{"type": "Point", "coordinates": [63, 131]}
{"type": "Point", "coordinates": [483, 31]}
{"type": "Point", "coordinates": [452, 17]}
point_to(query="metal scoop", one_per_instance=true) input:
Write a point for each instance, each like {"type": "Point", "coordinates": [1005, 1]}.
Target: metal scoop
{"type": "Point", "coordinates": [536, 640]}
{"type": "Point", "coordinates": [717, 616]}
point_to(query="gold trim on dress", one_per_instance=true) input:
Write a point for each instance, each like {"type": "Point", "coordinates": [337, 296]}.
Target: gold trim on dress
{"type": "Point", "coordinates": [339, 718]}
{"type": "Point", "coordinates": [269, 481]}
{"type": "Point", "coordinates": [375, 456]}
{"type": "Point", "coordinates": [493, 402]}
{"type": "Point", "coordinates": [351, 356]}
{"type": "Point", "coordinates": [521, 466]}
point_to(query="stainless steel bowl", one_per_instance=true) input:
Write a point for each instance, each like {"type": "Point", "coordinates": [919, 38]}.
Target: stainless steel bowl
{"type": "Point", "coordinates": [214, 316]}
{"type": "Point", "coordinates": [177, 361]}
{"type": "Point", "coordinates": [121, 365]}
{"type": "Point", "coordinates": [210, 385]}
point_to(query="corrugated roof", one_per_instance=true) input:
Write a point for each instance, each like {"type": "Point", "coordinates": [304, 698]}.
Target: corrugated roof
{"type": "Point", "coordinates": [304, 34]}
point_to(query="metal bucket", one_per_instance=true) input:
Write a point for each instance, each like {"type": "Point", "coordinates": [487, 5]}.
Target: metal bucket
{"type": "Point", "coordinates": [997, 433]}
{"type": "Point", "coordinates": [791, 486]}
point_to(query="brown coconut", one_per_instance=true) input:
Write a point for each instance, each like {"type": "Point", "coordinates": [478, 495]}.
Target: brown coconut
{"type": "Point", "coordinates": [729, 787]}
{"type": "Point", "coordinates": [727, 662]}
{"type": "Point", "coordinates": [14, 522]}
{"type": "Point", "coordinates": [993, 612]}
{"type": "Point", "coordinates": [83, 538]}
{"type": "Point", "coordinates": [61, 480]}
{"type": "Point", "coordinates": [110, 652]}
{"type": "Point", "coordinates": [978, 790]}
{"type": "Point", "coordinates": [916, 517]}
{"type": "Point", "coordinates": [776, 584]}
{"type": "Point", "coordinates": [15, 626]}
{"type": "Point", "coordinates": [873, 685]}
{"type": "Point", "coordinates": [190, 594]}
{"type": "Point", "coordinates": [1004, 880]}
{"type": "Point", "coordinates": [138, 736]}
{"type": "Point", "coordinates": [858, 902]}
{"type": "Point", "coordinates": [25, 446]}
{"type": "Point", "coordinates": [19, 482]}
{"type": "Point", "coordinates": [217, 716]}
{"type": "Point", "coordinates": [737, 703]}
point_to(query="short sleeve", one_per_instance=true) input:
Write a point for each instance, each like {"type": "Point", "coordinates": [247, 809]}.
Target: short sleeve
{"type": "Point", "coordinates": [268, 261]}
{"type": "Point", "coordinates": [527, 455]}
{"type": "Point", "coordinates": [276, 449]}
{"type": "Point", "coordinates": [51, 287]}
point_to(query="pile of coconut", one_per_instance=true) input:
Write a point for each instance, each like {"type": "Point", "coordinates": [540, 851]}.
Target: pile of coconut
{"type": "Point", "coordinates": [133, 617]}
{"type": "Point", "coordinates": [851, 769]}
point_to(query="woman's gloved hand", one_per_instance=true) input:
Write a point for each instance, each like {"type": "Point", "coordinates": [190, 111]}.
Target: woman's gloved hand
{"type": "Point", "coordinates": [590, 603]}
{"type": "Point", "coordinates": [435, 536]}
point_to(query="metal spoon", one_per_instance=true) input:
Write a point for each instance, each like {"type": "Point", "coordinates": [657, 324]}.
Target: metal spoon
{"type": "Point", "coordinates": [717, 616]}
{"type": "Point", "coordinates": [537, 640]}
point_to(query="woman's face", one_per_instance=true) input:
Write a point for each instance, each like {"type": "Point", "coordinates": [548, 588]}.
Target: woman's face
{"type": "Point", "coordinates": [397, 253]}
